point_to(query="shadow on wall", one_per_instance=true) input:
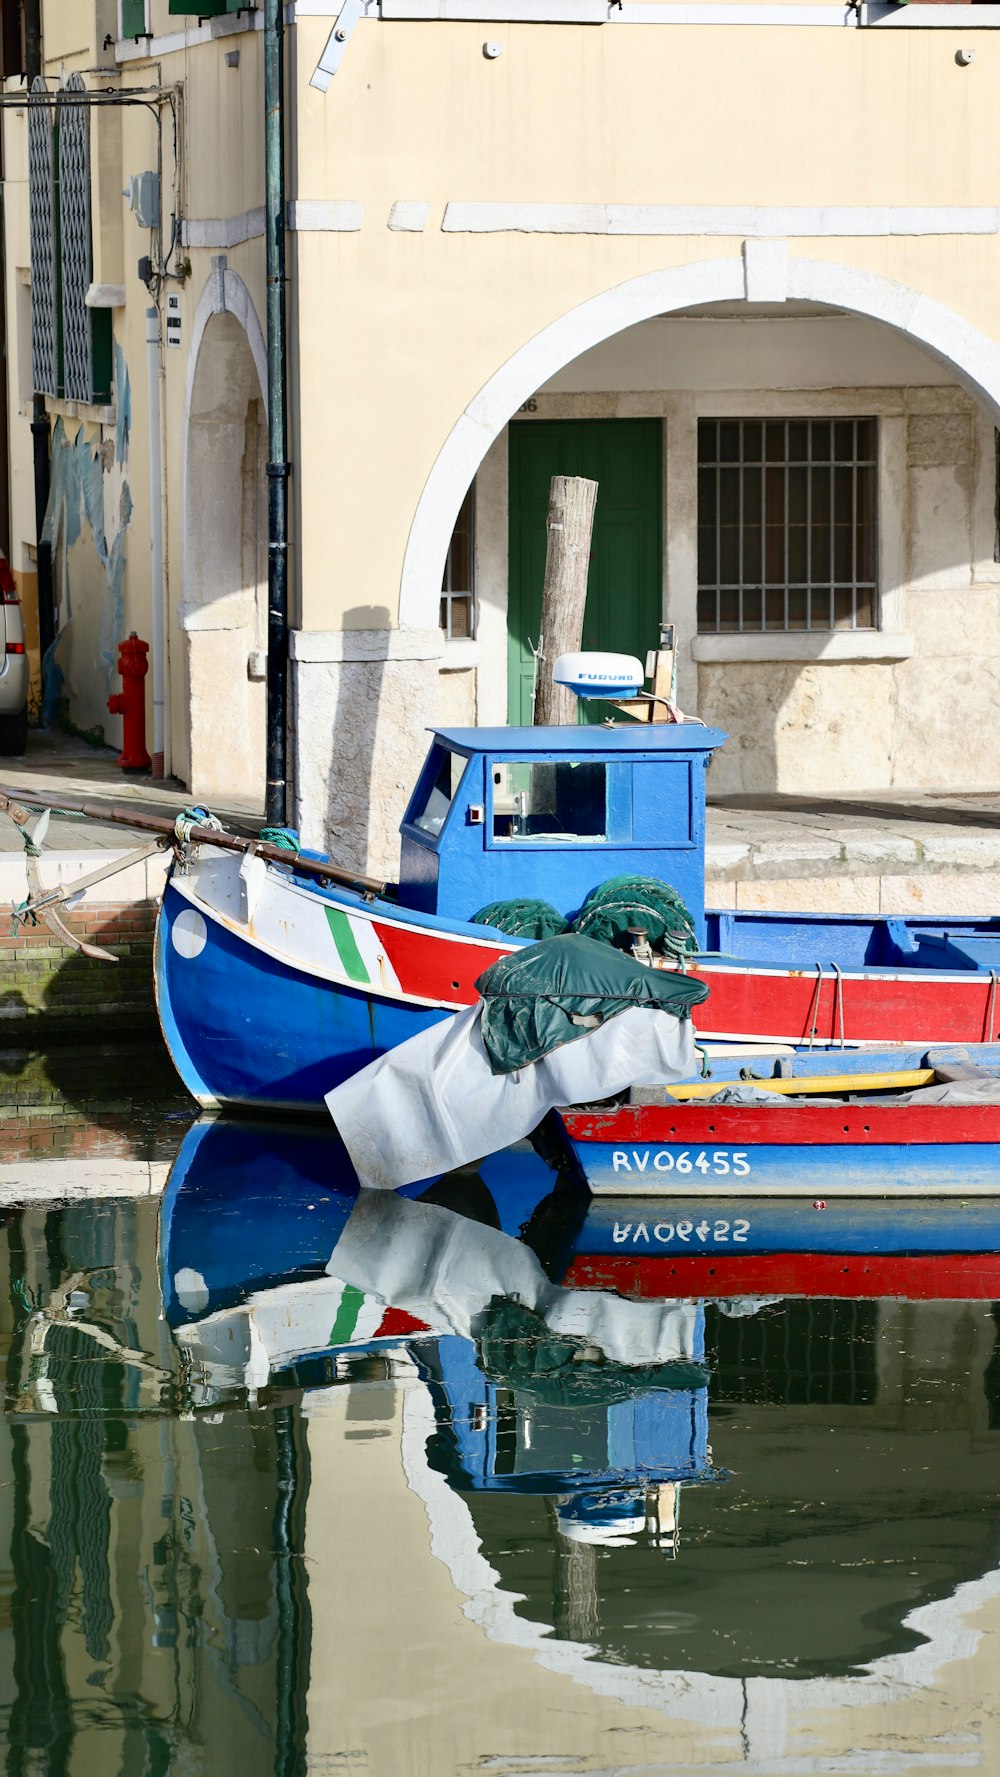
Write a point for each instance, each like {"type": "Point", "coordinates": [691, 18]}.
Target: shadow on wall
{"type": "Point", "coordinates": [360, 735]}
{"type": "Point", "coordinates": [224, 614]}
{"type": "Point", "coordinates": [355, 755]}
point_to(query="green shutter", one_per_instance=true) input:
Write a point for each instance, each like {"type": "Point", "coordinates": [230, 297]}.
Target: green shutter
{"type": "Point", "coordinates": [103, 352]}
{"type": "Point", "coordinates": [624, 594]}
{"type": "Point", "coordinates": [208, 9]}
{"type": "Point", "coordinates": [133, 18]}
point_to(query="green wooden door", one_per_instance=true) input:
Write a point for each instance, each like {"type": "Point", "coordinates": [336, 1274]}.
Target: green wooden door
{"type": "Point", "coordinates": [624, 596]}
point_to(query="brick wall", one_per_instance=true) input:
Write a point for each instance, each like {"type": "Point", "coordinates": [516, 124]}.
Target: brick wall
{"type": "Point", "coordinates": [50, 991]}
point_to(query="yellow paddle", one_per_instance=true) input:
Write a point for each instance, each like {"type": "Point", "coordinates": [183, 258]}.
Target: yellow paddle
{"type": "Point", "coordinates": [815, 1084]}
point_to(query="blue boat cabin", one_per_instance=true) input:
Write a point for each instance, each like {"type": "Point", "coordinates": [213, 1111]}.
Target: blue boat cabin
{"type": "Point", "coordinates": [504, 813]}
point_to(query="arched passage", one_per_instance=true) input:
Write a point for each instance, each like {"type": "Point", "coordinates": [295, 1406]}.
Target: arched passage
{"type": "Point", "coordinates": [970, 354]}
{"type": "Point", "coordinates": [224, 612]}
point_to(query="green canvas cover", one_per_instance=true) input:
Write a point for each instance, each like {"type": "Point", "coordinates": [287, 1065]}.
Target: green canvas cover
{"type": "Point", "coordinates": [624, 901]}
{"type": "Point", "coordinates": [535, 998]}
{"type": "Point", "coordinates": [526, 918]}
{"type": "Point", "coordinates": [519, 1351]}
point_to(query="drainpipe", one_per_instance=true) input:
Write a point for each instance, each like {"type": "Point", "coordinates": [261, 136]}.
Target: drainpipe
{"type": "Point", "coordinates": [278, 466]}
{"type": "Point", "coordinates": [39, 414]}
{"type": "Point", "coordinates": [158, 620]}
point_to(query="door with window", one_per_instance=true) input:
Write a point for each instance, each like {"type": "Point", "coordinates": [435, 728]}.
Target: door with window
{"type": "Point", "coordinates": [625, 591]}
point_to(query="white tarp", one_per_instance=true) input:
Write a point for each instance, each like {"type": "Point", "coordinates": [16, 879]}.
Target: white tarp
{"type": "Point", "coordinates": [444, 1269]}
{"type": "Point", "coordinates": [441, 1268]}
{"type": "Point", "coordinates": [434, 1102]}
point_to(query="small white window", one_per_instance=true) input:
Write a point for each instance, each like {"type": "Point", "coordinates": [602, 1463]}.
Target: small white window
{"type": "Point", "coordinates": [458, 588]}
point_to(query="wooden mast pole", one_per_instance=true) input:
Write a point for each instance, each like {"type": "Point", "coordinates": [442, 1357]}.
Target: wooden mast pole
{"type": "Point", "coordinates": [570, 524]}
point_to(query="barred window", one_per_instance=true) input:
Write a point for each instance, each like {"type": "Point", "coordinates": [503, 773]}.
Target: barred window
{"type": "Point", "coordinates": [458, 588]}
{"type": "Point", "coordinates": [787, 524]}
{"type": "Point", "coordinates": [71, 344]}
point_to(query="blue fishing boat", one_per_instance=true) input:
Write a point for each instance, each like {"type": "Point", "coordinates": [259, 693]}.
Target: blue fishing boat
{"type": "Point", "coordinates": [277, 978]}
{"type": "Point", "coordinates": [269, 1266]}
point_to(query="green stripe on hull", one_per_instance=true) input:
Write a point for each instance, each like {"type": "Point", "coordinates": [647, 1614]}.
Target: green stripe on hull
{"type": "Point", "coordinates": [351, 1303]}
{"type": "Point", "coordinates": [347, 948]}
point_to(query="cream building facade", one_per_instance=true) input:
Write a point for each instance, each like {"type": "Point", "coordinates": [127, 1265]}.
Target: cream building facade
{"type": "Point", "coordinates": [740, 262]}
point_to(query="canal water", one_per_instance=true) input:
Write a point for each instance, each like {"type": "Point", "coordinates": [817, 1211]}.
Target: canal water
{"type": "Point", "coordinates": [294, 1481]}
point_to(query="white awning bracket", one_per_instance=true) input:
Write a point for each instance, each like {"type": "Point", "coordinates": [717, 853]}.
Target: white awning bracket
{"type": "Point", "coordinates": [336, 44]}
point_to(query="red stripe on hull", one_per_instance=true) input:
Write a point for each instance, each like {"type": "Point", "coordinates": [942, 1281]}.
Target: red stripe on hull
{"type": "Point", "coordinates": [877, 1008]}
{"type": "Point", "coordinates": [396, 1323]}
{"type": "Point", "coordinates": [943, 1277]}
{"type": "Point", "coordinates": [804, 1125]}
{"type": "Point", "coordinates": [747, 1001]}
{"type": "Point", "coordinates": [429, 967]}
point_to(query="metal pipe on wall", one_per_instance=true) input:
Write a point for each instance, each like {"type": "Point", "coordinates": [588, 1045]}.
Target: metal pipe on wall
{"type": "Point", "coordinates": [277, 466]}
{"type": "Point", "coordinates": [158, 624]}
{"type": "Point", "coordinates": [39, 412]}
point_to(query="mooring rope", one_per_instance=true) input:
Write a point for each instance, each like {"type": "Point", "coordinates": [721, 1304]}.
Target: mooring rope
{"type": "Point", "coordinates": [814, 1028]}
{"type": "Point", "coordinates": [840, 1001]}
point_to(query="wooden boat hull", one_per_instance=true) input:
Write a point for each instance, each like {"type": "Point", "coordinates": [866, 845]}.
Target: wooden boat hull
{"type": "Point", "coordinates": [911, 1277]}
{"type": "Point", "coordinates": [271, 990]}
{"type": "Point", "coordinates": [738, 1153]}
{"type": "Point", "coordinates": [253, 1206]}
{"type": "Point", "coordinates": [928, 1248]}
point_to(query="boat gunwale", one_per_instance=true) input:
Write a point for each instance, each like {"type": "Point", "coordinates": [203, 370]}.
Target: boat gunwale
{"type": "Point", "coordinates": [490, 937]}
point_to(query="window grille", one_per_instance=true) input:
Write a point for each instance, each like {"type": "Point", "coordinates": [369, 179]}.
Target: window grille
{"type": "Point", "coordinates": [71, 345]}
{"type": "Point", "coordinates": [76, 266]}
{"type": "Point", "coordinates": [799, 1353]}
{"type": "Point", "coordinates": [787, 524]}
{"type": "Point", "coordinates": [458, 588]}
{"type": "Point", "coordinates": [42, 223]}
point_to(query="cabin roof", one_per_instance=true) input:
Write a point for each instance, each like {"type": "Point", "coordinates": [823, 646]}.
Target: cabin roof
{"type": "Point", "coordinates": [623, 737]}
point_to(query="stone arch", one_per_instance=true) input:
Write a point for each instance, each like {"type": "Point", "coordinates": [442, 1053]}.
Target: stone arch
{"type": "Point", "coordinates": [969, 354]}
{"type": "Point", "coordinates": [223, 614]}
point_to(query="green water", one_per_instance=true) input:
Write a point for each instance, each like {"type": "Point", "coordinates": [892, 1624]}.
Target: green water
{"type": "Point", "coordinates": [349, 1559]}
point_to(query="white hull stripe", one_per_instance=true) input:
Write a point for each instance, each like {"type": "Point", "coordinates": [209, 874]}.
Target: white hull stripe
{"type": "Point", "coordinates": [303, 938]}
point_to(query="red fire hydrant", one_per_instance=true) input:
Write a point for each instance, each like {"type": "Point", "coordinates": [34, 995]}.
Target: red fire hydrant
{"type": "Point", "coordinates": [130, 703]}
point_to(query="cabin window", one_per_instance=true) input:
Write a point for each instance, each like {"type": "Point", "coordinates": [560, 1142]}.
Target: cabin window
{"type": "Point", "coordinates": [787, 525]}
{"type": "Point", "coordinates": [458, 588]}
{"type": "Point", "coordinates": [444, 776]}
{"type": "Point", "coordinates": [550, 800]}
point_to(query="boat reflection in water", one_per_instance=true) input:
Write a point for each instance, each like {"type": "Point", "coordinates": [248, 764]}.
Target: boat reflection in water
{"type": "Point", "coordinates": [598, 1403]}
{"type": "Point", "coordinates": [301, 1479]}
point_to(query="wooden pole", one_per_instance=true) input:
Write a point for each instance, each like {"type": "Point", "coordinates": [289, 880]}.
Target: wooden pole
{"type": "Point", "coordinates": [576, 1602]}
{"type": "Point", "coordinates": [564, 594]}
{"type": "Point", "coordinates": [19, 804]}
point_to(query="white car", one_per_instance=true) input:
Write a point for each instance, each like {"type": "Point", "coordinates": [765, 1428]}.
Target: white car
{"type": "Point", "coordinates": [13, 667]}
